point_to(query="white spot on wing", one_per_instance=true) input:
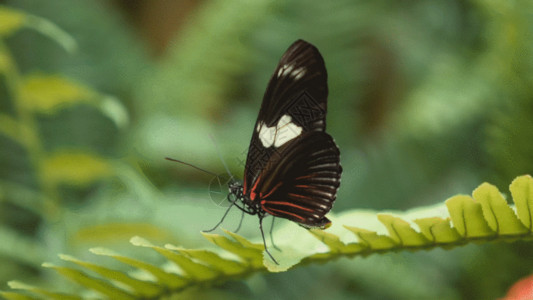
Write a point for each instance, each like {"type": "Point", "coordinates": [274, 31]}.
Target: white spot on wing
{"type": "Point", "coordinates": [287, 69]}
{"type": "Point", "coordinates": [298, 73]}
{"type": "Point", "coordinates": [280, 134]}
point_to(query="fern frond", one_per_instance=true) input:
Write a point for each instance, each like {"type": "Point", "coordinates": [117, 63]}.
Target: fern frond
{"type": "Point", "coordinates": [483, 217]}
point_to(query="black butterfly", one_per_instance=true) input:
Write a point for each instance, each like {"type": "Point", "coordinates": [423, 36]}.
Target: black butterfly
{"type": "Point", "coordinates": [292, 169]}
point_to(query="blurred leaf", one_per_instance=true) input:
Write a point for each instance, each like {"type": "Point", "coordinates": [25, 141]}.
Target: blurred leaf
{"type": "Point", "coordinates": [200, 267]}
{"type": "Point", "coordinates": [74, 167]}
{"type": "Point", "coordinates": [115, 110]}
{"type": "Point", "coordinates": [16, 296]}
{"type": "Point", "coordinates": [117, 232]}
{"type": "Point", "coordinates": [22, 196]}
{"type": "Point", "coordinates": [170, 280]}
{"type": "Point", "coordinates": [16, 285]}
{"type": "Point", "coordinates": [140, 288]}
{"type": "Point", "coordinates": [10, 21]}
{"type": "Point", "coordinates": [21, 248]}
{"type": "Point", "coordinates": [53, 31]}
{"type": "Point", "coordinates": [99, 285]}
{"type": "Point", "coordinates": [6, 62]}
{"type": "Point", "coordinates": [46, 93]}
{"type": "Point", "coordinates": [17, 131]}
{"type": "Point", "coordinates": [109, 55]}
{"type": "Point", "coordinates": [195, 271]}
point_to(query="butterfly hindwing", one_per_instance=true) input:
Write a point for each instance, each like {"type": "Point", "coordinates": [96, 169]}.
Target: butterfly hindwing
{"type": "Point", "coordinates": [300, 181]}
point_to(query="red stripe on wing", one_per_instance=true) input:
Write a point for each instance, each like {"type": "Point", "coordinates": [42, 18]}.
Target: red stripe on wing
{"type": "Point", "coordinates": [300, 196]}
{"type": "Point", "coordinates": [287, 204]}
{"type": "Point", "coordinates": [282, 212]}
{"type": "Point", "coordinates": [271, 191]}
{"type": "Point", "coordinates": [253, 193]}
{"type": "Point", "coordinates": [245, 185]}
{"type": "Point", "coordinates": [305, 177]}
{"type": "Point", "coordinates": [270, 212]}
{"type": "Point", "coordinates": [305, 186]}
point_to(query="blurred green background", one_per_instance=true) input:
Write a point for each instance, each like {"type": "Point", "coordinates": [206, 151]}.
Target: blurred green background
{"type": "Point", "coordinates": [427, 99]}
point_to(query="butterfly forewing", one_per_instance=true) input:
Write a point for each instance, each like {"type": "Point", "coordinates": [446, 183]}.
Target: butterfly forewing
{"type": "Point", "coordinates": [294, 103]}
{"type": "Point", "coordinates": [298, 88]}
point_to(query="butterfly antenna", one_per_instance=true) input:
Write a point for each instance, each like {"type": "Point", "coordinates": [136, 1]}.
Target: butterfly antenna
{"type": "Point", "coordinates": [190, 165]}
{"type": "Point", "coordinates": [220, 155]}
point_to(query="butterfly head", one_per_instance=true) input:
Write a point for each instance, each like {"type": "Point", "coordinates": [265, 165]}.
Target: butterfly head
{"type": "Point", "coordinates": [235, 188]}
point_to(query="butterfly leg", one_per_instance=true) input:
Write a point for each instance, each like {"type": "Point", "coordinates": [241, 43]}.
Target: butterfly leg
{"type": "Point", "coordinates": [223, 217]}
{"type": "Point", "coordinates": [240, 222]}
{"type": "Point", "coordinates": [272, 236]}
{"type": "Point", "coordinates": [264, 242]}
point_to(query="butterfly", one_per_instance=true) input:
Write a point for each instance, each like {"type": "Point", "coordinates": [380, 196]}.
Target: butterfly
{"type": "Point", "coordinates": [293, 166]}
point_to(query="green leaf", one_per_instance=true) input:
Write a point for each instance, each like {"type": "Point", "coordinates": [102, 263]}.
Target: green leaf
{"type": "Point", "coordinates": [485, 218]}
{"type": "Point", "coordinates": [215, 261]}
{"type": "Point", "coordinates": [16, 246]}
{"type": "Point", "coordinates": [47, 93]}
{"type": "Point", "coordinates": [17, 131]}
{"type": "Point", "coordinates": [141, 288]}
{"type": "Point", "coordinates": [332, 241]}
{"type": "Point", "coordinates": [401, 232]}
{"type": "Point", "coordinates": [99, 285]}
{"type": "Point", "coordinates": [10, 21]}
{"type": "Point", "coordinates": [170, 280]}
{"type": "Point", "coordinates": [438, 230]}
{"type": "Point", "coordinates": [15, 296]}
{"type": "Point", "coordinates": [252, 255]}
{"type": "Point", "coordinates": [16, 285]}
{"type": "Point", "coordinates": [467, 217]}
{"type": "Point", "coordinates": [191, 269]}
{"type": "Point", "coordinates": [6, 61]}
{"type": "Point", "coordinates": [54, 32]}
{"type": "Point", "coordinates": [522, 191]}
{"type": "Point", "coordinates": [499, 215]}
{"type": "Point", "coordinates": [74, 167]}
{"type": "Point", "coordinates": [109, 232]}
{"type": "Point", "coordinates": [371, 239]}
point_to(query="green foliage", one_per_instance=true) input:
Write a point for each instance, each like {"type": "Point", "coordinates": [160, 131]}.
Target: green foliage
{"type": "Point", "coordinates": [427, 99]}
{"type": "Point", "coordinates": [484, 217]}
{"type": "Point", "coordinates": [13, 21]}
{"type": "Point", "coordinates": [32, 97]}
